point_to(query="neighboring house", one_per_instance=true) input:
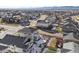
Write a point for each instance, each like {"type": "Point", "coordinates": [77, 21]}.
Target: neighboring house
{"type": "Point", "coordinates": [13, 40]}
{"type": "Point", "coordinates": [26, 31]}
{"type": "Point", "coordinates": [43, 24]}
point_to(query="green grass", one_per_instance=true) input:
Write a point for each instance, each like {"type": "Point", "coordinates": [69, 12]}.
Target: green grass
{"type": "Point", "coordinates": [51, 50]}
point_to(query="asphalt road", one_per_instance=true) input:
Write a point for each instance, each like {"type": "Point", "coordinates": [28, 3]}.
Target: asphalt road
{"type": "Point", "coordinates": [9, 30]}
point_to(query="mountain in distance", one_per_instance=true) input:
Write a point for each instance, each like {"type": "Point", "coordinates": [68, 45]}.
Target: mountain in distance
{"type": "Point", "coordinates": [57, 8]}
{"type": "Point", "coordinates": [54, 8]}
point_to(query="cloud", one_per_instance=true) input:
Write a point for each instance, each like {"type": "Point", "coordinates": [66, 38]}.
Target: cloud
{"type": "Point", "coordinates": [36, 3]}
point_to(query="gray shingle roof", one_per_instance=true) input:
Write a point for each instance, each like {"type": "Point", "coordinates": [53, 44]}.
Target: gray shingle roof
{"type": "Point", "coordinates": [13, 40]}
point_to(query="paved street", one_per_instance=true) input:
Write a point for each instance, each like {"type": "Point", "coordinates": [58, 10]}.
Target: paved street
{"type": "Point", "coordinates": [9, 30]}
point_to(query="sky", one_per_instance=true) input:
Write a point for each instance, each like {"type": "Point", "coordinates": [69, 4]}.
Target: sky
{"type": "Point", "coordinates": [36, 3]}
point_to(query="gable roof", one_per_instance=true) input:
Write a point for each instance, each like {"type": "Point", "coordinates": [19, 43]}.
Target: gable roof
{"type": "Point", "coordinates": [13, 40]}
{"type": "Point", "coordinates": [27, 30]}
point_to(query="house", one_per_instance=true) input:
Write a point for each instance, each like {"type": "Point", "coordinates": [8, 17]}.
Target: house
{"type": "Point", "coordinates": [13, 40]}
{"type": "Point", "coordinates": [26, 31]}
{"type": "Point", "coordinates": [42, 24]}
